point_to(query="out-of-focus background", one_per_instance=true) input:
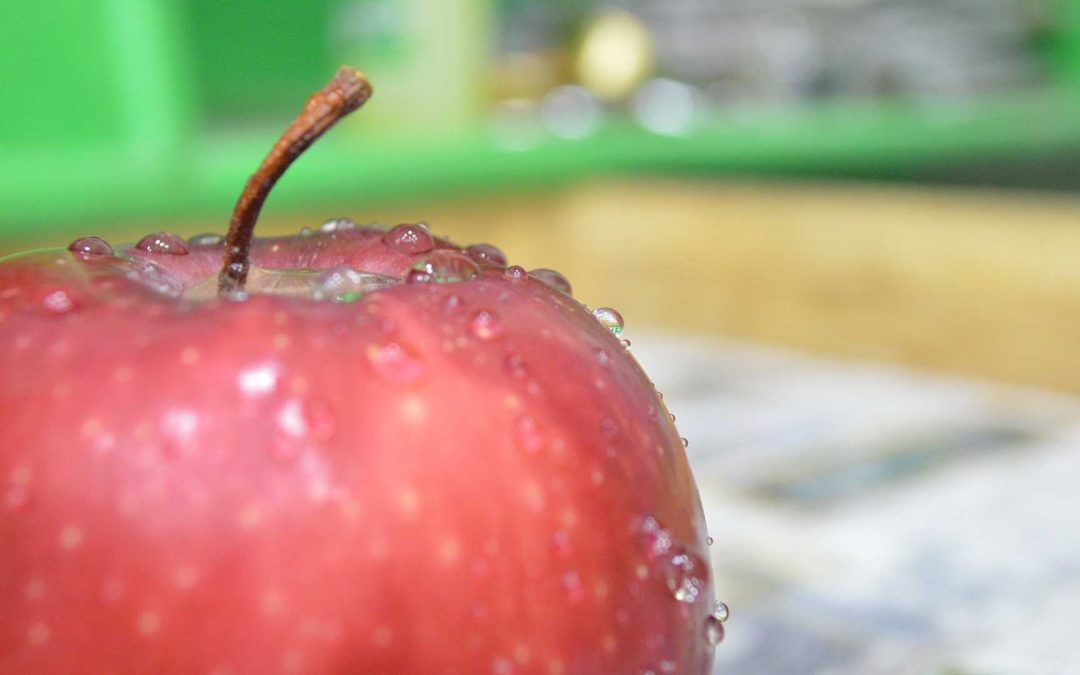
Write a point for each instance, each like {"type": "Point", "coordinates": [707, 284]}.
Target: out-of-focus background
{"type": "Point", "coordinates": [845, 235]}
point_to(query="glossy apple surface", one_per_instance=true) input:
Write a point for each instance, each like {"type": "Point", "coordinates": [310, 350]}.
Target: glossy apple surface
{"type": "Point", "coordinates": [399, 457]}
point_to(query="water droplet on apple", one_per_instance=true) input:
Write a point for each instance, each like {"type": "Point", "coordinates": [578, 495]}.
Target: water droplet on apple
{"type": "Point", "coordinates": [672, 416]}
{"type": "Point", "coordinates": [447, 266]}
{"type": "Point", "coordinates": [165, 243]}
{"type": "Point", "coordinates": [656, 540]}
{"type": "Point", "coordinates": [552, 279]}
{"type": "Point", "coordinates": [527, 435]}
{"type": "Point", "coordinates": [409, 239]}
{"type": "Point", "coordinates": [610, 319]}
{"type": "Point", "coordinates": [418, 277]}
{"type": "Point", "coordinates": [516, 273]}
{"type": "Point", "coordinates": [625, 343]}
{"type": "Point", "coordinates": [721, 611]}
{"type": "Point", "coordinates": [205, 239]}
{"type": "Point", "coordinates": [709, 541]}
{"type": "Point", "coordinates": [685, 442]}
{"type": "Point", "coordinates": [337, 224]}
{"type": "Point", "coordinates": [89, 247]}
{"type": "Point", "coordinates": [344, 284]}
{"type": "Point", "coordinates": [486, 325]}
{"type": "Point", "coordinates": [603, 358]}
{"type": "Point", "coordinates": [714, 630]}
{"type": "Point", "coordinates": [395, 363]}
{"type": "Point", "coordinates": [685, 574]}
{"type": "Point", "coordinates": [306, 232]}
{"type": "Point", "coordinates": [486, 254]}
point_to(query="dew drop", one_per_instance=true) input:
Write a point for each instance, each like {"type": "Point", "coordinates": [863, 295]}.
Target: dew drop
{"type": "Point", "coordinates": [89, 247]}
{"type": "Point", "coordinates": [721, 611]}
{"type": "Point", "coordinates": [306, 232]}
{"type": "Point", "coordinates": [685, 574]}
{"type": "Point", "coordinates": [165, 243]}
{"type": "Point", "coordinates": [714, 630]}
{"type": "Point", "coordinates": [603, 358]}
{"type": "Point", "coordinates": [337, 225]}
{"type": "Point", "coordinates": [655, 539]}
{"type": "Point", "coordinates": [672, 416]}
{"type": "Point", "coordinates": [205, 239]}
{"type": "Point", "coordinates": [516, 273]}
{"type": "Point", "coordinates": [409, 239]}
{"type": "Point", "coordinates": [486, 325]}
{"type": "Point", "coordinates": [418, 277]}
{"type": "Point", "coordinates": [685, 442]}
{"type": "Point", "coordinates": [552, 279]}
{"type": "Point", "coordinates": [486, 254]}
{"type": "Point", "coordinates": [344, 284]}
{"type": "Point", "coordinates": [610, 319]}
{"type": "Point", "coordinates": [447, 266]}
{"type": "Point", "coordinates": [395, 363]}
{"type": "Point", "coordinates": [625, 343]}
{"type": "Point", "coordinates": [709, 541]}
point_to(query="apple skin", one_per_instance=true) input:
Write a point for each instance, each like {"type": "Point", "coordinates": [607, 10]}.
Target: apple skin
{"type": "Point", "coordinates": [470, 477]}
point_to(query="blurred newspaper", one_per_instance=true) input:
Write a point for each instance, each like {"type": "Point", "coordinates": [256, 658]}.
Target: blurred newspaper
{"type": "Point", "coordinates": [870, 519]}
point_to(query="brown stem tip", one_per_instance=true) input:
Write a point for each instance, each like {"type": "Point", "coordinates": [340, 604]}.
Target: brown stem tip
{"type": "Point", "coordinates": [346, 92]}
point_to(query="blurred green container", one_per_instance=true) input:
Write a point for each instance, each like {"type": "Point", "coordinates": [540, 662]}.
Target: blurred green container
{"type": "Point", "coordinates": [160, 108]}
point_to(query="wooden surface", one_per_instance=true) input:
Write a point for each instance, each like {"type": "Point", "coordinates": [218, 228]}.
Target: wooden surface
{"type": "Point", "coordinates": [978, 282]}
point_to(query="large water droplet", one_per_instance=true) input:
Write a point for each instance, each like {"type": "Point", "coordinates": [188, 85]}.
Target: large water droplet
{"type": "Point", "coordinates": [714, 631]}
{"type": "Point", "coordinates": [89, 247]}
{"type": "Point", "coordinates": [610, 319]}
{"type": "Point", "coordinates": [409, 239]}
{"type": "Point", "coordinates": [447, 266]}
{"type": "Point", "coordinates": [486, 254]}
{"type": "Point", "coordinates": [516, 273]}
{"type": "Point", "coordinates": [552, 279]}
{"type": "Point", "coordinates": [486, 325]}
{"type": "Point", "coordinates": [685, 574]}
{"type": "Point", "coordinates": [205, 239]}
{"type": "Point", "coordinates": [344, 284]}
{"type": "Point", "coordinates": [165, 243]}
{"type": "Point", "coordinates": [394, 362]}
{"type": "Point", "coordinates": [721, 611]}
{"type": "Point", "coordinates": [337, 224]}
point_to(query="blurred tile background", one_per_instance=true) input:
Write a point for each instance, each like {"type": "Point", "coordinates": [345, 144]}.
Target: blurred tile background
{"type": "Point", "coordinates": [845, 235]}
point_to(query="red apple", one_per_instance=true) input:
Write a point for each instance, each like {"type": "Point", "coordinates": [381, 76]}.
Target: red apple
{"type": "Point", "coordinates": [375, 452]}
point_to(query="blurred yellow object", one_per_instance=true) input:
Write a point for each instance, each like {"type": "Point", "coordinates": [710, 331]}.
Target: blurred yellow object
{"type": "Point", "coordinates": [616, 55]}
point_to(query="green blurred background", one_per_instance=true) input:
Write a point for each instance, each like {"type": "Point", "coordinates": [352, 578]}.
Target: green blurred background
{"type": "Point", "coordinates": [880, 179]}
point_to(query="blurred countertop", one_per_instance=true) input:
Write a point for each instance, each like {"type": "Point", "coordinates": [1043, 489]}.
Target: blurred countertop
{"type": "Point", "coordinates": [969, 281]}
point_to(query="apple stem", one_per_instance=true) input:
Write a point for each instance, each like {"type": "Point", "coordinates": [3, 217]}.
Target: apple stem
{"type": "Point", "coordinates": [347, 91]}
